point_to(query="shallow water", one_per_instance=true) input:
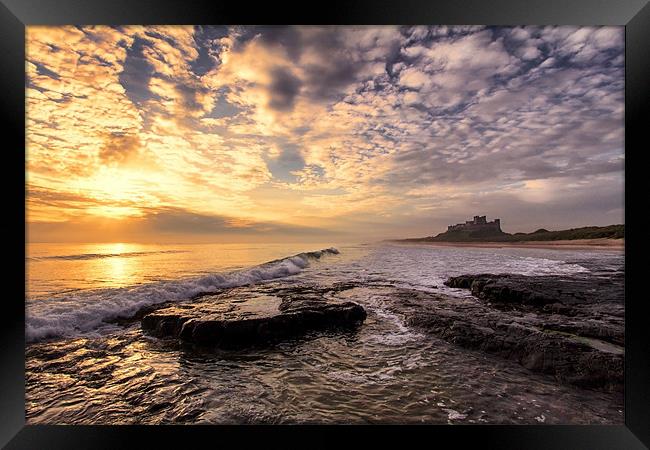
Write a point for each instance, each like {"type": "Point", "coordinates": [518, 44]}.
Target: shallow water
{"type": "Point", "coordinates": [384, 372]}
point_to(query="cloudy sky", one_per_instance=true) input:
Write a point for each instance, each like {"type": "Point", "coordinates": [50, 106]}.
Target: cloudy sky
{"type": "Point", "coordinates": [235, 134]}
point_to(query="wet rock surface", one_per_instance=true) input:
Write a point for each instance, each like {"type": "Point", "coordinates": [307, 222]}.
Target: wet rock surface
{"type": "Point", "coordinates": [243, 317]}
{"type": "Point", "coordinates": [572, 329]}
{"type": "Point", "coordinates": [392, 369]}
{"type": "Point", "coordinates": [589, 306]}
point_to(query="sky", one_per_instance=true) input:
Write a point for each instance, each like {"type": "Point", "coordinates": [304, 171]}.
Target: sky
{"type": "Point", "coordinates": [333, 133]}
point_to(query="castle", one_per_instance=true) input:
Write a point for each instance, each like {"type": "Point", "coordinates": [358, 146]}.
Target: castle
{"type": "Point", "coordinates": [479, 223]}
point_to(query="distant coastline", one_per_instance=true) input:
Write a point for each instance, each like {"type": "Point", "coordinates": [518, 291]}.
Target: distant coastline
{"type": "Point", "coordinates": [611, 236]}
{"type": "Point", "coordinates": [602, 243]}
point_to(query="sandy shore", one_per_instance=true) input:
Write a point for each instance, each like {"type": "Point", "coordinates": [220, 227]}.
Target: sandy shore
{"type": "Point", "coordinates": [602, 244]}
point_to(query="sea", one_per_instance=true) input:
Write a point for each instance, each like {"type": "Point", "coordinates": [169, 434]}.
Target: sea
{"type": "Point", "coordinates": [87, 363]}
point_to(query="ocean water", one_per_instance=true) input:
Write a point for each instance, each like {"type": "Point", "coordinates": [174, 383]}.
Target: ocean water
{"type": "Point", "coordinates": [86, 366]}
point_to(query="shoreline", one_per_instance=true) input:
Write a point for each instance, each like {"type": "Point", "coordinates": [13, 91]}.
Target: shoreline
{"type": "Point", "coordinates": [595, 244]}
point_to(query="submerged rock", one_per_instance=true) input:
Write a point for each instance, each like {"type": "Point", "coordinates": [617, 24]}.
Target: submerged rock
{"type": "Point", "coordinates": [251, 318]}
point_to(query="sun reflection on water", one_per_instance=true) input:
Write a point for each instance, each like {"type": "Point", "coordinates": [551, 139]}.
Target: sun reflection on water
{"type": "Point", "coordinates": [116, 271]}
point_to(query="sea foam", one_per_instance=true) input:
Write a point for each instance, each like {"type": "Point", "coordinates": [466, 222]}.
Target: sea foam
{"type": "Point", "coordinates": [90, 311]}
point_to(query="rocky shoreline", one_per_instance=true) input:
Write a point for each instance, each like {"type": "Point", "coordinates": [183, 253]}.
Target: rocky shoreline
{"type": "Point", "coordinates": [570, 328]}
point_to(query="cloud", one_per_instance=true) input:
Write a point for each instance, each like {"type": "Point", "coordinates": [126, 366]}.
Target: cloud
{"type": "Point", "coordinates": [181, 222]}
{"type": "Point", "coordinates": [283, 89]}
{"type": "Point", "coordinates": [119, 148]}
{"type": "Point", "coordinates": [171, 225]}
{"type": "Point", "coordinates": [285, 161]}
{"type": "Point", "coordinates": [222, 108]}
{"type": "Point", "coordinates": [402, 127]}
{"type": "Point", "coordinates": [413, 78]}
{"type": "Point", "coordinates": [208, 43]}
{"type": "Point", "coordinates": [137, 71]}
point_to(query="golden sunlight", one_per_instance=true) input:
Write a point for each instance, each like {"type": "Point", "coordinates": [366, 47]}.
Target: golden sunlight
{"type": "Point", "coordinates": [224, 136]}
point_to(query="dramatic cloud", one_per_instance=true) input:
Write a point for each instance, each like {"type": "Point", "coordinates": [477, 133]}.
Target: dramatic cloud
{"type": "Point", "coordinates": [283, 89]}
{"type": "Point", "coordinates": [119, 148]}
{"type": "Point", "coordinates": [363, 132]}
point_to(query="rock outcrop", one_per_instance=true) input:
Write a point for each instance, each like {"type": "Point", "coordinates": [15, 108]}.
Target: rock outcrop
{"type": "Point", "coordinates": [588, 306]}
{"type": "Point", "coordinates": [560, 327]}
{"type": "Point", "coordinates": [251, 318]}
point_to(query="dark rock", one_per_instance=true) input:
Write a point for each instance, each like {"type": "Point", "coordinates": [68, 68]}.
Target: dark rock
{"type": "Point", "coordinates": [139, 314]}
{"type": "Point", "coordinates": [252, 318]}
{"type": "Point", "coordinates": [587, 306]}
{"type": "Point", "coordinates": [567, 293]}
{"type": "Point", "coordinates": [556, 328]}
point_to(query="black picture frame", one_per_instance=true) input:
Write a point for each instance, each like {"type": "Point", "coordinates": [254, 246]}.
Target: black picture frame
{"type": "Point", "coordinates": [16, 14]}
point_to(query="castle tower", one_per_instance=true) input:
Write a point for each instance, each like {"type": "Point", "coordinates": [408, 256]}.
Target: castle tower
{"type": "Point", "coordinates": [479, 222]}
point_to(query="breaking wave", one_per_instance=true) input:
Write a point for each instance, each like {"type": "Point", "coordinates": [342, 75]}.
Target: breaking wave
{"type": "Point", "coordinates": [89, 311]}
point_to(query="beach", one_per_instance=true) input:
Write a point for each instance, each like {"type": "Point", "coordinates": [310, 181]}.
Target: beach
{"type": "Point", "coordinates": [586, 244]}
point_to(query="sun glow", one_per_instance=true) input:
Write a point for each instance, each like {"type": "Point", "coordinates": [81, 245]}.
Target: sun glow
{"type": "Point", "coordinates": [141, 133]}
{"type": "Point", "coordinates": [115, 212]}
{"type": "Point", "coordinates": [119, 192]}
{"type": "Point", "coordinates": [117, 184]}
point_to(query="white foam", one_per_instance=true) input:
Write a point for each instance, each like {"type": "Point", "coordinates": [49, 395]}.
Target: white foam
{"type": "Point", "coordinates": [423, 267]}
{"type": "Point", "coordinates": [399, 335]}
{"type": "Point", "coordinates": [454, 415]}
{"type": "Point", "coordinates": [87, 312]}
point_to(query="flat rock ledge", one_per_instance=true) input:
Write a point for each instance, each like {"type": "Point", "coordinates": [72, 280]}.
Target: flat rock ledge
{"type": "Point", "coordinates": [570, 329]}
{"type": "Point", "coordinates": [590, 306]}
{"type": "Point", "coordinates": [250, 319]}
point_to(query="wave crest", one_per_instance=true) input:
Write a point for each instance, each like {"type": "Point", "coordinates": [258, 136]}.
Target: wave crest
{"type": "Point", "coordinates": [88, 311]}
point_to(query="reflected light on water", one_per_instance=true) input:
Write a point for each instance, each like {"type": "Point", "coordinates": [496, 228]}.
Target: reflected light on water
{"type": "Point", "coordinates": [57, 268]}
{"type": "Point", "coordinates": [116, 271]}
